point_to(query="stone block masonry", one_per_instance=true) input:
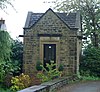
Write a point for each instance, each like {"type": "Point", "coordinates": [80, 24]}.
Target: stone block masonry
{"type": "Point", "coordinates": [49, 86]}
{"type": "Point", "coordinates": [56, 29]}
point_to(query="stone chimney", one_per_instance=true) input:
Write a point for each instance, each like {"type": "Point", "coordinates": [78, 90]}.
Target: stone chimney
{"type": "Point", "coordinates": [2, 21]}
{"type": "Point", "coordinates": [2, 24]}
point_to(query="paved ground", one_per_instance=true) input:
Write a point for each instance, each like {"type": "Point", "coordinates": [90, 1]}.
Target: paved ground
{"type": "Point", "coordinates": [93, 86]}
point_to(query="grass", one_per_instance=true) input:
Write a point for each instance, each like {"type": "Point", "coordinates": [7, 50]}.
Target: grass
{"type": "Point", "coordinates": [84, 79]}
{"type": "Point", "coordinates": [89, 78]}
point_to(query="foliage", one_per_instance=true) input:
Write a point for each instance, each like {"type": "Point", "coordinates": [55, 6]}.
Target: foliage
{"type": "Point", "coordinates": [5, 45]}
{"type": "Point", "coordinates": [7, 66]}
{"type": "Point", "coordinates": [86, 78]}
{"type": "Point", "coordinates": [5, 90]}
{"type": "Point", "coordinates": [49, 74]}
{"type": "Point", "coordinates": [17, 50]}
{"type": "Point", "coordinates": [90, 12]}
{"type": "Point", "coordinates": [43, 77]}
{"type": "Point", "coordinates": [61, 67]}
{"type": "Point", "coordinates": [5, 50]}
{"type": "Point", "coordinates": [4, 3]}
{"type": "Point", "coordinates": [38, 66]}
{"type": "Point", "coordinates": [91, 61]}
{"type": "Point", "coordinates": [20, 82]}
{"type": "Point", "coordinates": [17, 55]}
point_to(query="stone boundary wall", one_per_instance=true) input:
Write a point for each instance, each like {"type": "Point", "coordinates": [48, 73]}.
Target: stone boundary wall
{"type": "Point", "coordinates": [49, 86]}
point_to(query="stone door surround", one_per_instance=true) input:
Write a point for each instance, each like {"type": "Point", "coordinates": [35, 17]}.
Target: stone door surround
{"type": "Point", "coordinates": [50, 40]}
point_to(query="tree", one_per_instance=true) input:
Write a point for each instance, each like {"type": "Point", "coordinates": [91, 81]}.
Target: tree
{"type": "Point", "coordinates": [90, 12]}
{"type": "Point", "coordinates": [90, 64]}
{"type": "Point", "coordinates": [17, 54]}
{"type": "Point", "coordinates": [8, 65]}
{"type": "Point", "coordinates": [5, 45]}
{"type": "Point", "coordinates": [5, 50]}
{"type": "Point", "coordinates": [4, 3]}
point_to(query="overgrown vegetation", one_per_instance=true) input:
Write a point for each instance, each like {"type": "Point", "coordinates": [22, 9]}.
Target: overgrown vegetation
{"type": "Point", "coordinates": [5, 89]}
{"type": "Point", "coordinates": [5, 50]}
{"type": "Point", "coordinates": [9, 64]}
{"type": "Point", "coordinates": [6, 66]}
{"type": "Point", "coordinates": [17, 56]}
{"type": "Point", "coordinates": [89, 78]}
{"type": "Point", "coordinates": [10, 58]}
{"type": "Point", "coordinates": [90, 64]}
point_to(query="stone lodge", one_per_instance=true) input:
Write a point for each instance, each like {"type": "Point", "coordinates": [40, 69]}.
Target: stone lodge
{"type": "Point", "coordinates": [52, 36]}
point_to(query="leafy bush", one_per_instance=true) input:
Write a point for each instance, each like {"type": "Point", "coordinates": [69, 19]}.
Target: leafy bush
{"type": "Point", "coordinates": [5, 50]}
{"type": "Point", "coordinates": [20, 82]}
{"type": "Point", "coordinates": [5, 90]}
{"type": "Point", "coordinates": [38, 66]}
{"type": "Point", "coordinates": [49, 74]}
{"type": "Point", "coordinates": [7, 64]}
{"type": "Point", "coordinates": [7, 67]}
{"type": "Point", "coordinates": [61, 67]}
{"type": "Point", "coordinates": [17, 56]}
{"type": "Point", "coordinates": [91, 62]}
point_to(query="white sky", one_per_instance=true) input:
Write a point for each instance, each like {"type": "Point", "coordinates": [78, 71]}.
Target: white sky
{"type": "Point", "coordinates": [16, 21]}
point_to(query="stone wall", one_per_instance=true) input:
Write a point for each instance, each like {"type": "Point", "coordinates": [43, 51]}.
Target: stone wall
{"type": "Point", "coordinates": [50, 25]}
{"type": "Point", "coordinates": [51, 86]}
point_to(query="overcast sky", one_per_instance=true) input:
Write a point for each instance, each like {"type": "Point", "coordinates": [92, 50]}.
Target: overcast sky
{"type": "Point", "coordinates": [16, 21]}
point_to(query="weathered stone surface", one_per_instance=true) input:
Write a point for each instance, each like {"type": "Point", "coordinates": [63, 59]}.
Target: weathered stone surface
{"type": "Point", "coordinates": [66, 41]}
{"type": "Point", "coordinates": [50, 86]}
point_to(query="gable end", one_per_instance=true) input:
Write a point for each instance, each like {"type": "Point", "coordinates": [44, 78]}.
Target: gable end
{"type": "Point", "coordinates": [68, 20]}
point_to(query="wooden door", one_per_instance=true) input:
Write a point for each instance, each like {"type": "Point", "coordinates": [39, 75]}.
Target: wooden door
{"type": "Point", "coordinates": [49, 53]}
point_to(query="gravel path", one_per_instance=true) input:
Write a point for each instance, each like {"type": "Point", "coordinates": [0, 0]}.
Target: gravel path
{"type": "Point", "coordinates": [93, 86]}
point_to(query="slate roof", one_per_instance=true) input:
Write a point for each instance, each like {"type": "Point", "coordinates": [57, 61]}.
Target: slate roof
{"type": "Point", "coordinates": [72, 19]}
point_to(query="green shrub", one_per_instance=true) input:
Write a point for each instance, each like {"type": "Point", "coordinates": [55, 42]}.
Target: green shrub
{"type": "Point", "coordinates": [17, 56]}
{"type": "Point", "coordinates": [7, 68]}
{"type": "Point", "coordinates": [61, 67]}
{"type": "Point", "coordinates": [43, 77]}
{"type": "Point", "coordinates": [90, 63]}
{"type": "Point", "coordinates": [38, 66]}
{"type": "Point", "coordinates": [20, 82]}
{"type": "Point", "coordinates": [4, 88]}
{"type": "Point", "coordinates": [49, 74]}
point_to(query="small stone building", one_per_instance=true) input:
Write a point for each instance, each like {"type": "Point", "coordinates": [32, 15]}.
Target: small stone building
{"type": "Point", "coordinates": [52, 36]}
